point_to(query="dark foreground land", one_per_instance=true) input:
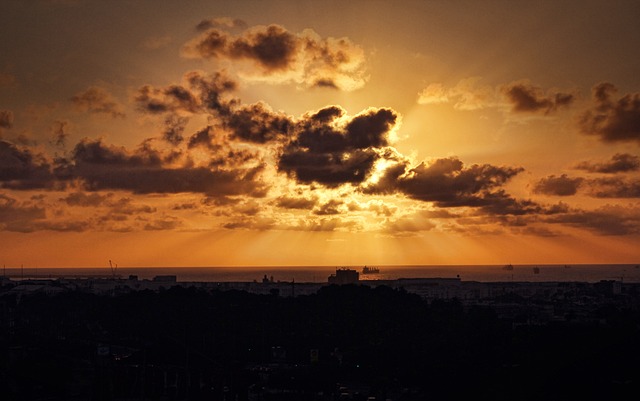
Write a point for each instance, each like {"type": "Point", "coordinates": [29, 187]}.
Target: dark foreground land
{"type": "Point", "coordinates": [343, 342]}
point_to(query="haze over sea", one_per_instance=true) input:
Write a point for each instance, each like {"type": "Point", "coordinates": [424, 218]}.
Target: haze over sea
{"type": "Point", "coordinates": [487, 273]}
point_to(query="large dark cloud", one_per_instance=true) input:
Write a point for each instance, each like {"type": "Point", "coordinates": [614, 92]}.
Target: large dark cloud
{"type": "Point", "coordinates": [21, 168]}
{"type": "Point", "coordinates": [272, 48]}
{"type": "Point", "coordinates": [332, 152]}
{"type": "Point", "coordinates": [448, 183]}
{"type": "Point", "coordinates": [558, 185]}
{"type": "Point", "coordinates": [304, 58]}
{"type": "Point", "coordinates": [525, 97]}
{"type": "Point", "coordinates": [98, 100]}
{"type": "Point", "coordinates": [6, 119]}
{"type": "Point", "coordinates": [612, 120]}
{"type": "Point", "coordinates": [619, 163]}
{"type": "Point", "coordinates": [104, 167]}
{"type": "Point", "coordinates": [222, 170]}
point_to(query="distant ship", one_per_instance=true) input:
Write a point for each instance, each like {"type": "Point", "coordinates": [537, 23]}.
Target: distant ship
{"type": "Point", "coordinates": [370, 270]}
{"type": "Point", "coordinates": [508, 267]}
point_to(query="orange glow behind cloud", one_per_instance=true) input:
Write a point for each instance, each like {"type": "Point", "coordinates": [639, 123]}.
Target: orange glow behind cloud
{"type": "Point", "coordinates": [259, 135]}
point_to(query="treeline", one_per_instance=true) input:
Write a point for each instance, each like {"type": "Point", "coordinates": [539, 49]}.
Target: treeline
{"type": "Point", "coordinates": [193, 344]}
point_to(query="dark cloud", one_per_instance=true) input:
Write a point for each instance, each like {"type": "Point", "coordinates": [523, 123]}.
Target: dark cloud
{"type": "Point", "coordinates": [329, 169]}
{"type": "Point", "coordinates": [614, 187]}
{"type": "Point", "coordinates": [271, 47]}
{"type": "Point", "coordinates": [331, 152]}
{"type": "Point", "coordinates": [619, 163]}
{"type": "Point", "coordinates": [558, 186]}
{"type": "Point", "coordinates": [96, 152]}
{"type": "Point", "coordinates": [104, 167]}
{"type": "Point", "coordinates": [257, 123]}
{"type": "Point", "coordinates": [98, 100]}
{"type": "Point", "coordinates": [325, 83]}
{"type": "Point", "coordinates": [27, 217]}
{"type": "Point", "coordinates": [371, 128]}
{"type": "Point", "coordinates": [203, 138]}
{"type": "Point", "coordinates": [200, 93]}
{"type": "Point", "coordinates": [6, 119]}
{"type": "Point", "coordinates": [500, 203]}
{"type": "Point", "coordinates": [117, 210]}
{"type": "Point", "coordinates": [607, 220]}
{"type": "Point", "coordinates": [525, 97]}
{"type": "Point", "coordinates": [610, 119]}
{"type": "Point", "coordinates": [609, 187]}
{"type": "Point", "coordinates": [287, 202]}
{"type": "Point", "coordinates": [171, 99]}
{"type": "Point", "coordinates": [211, 88]}
{"type": "Point", "coordinates": [448, 183]}
{"type": "Point", "coordinates": [21, 168]}
{"type": "Point", "coordinates": [304, 58]}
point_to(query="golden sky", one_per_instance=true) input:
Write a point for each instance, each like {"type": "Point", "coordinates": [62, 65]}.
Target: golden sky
{"type": "Point", "coordinates": [258, 133]}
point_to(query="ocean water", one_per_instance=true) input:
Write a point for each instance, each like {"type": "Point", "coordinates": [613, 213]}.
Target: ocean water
{"type": "Point", "coordinates": [319, 274]}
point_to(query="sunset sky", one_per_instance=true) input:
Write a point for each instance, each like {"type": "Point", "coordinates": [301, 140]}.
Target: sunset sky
{"type": "Point", "coordinates": [258, 133]}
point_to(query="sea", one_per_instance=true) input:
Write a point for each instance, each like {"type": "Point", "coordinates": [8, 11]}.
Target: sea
{"type": "Point", "coordinates": [319, 274]}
